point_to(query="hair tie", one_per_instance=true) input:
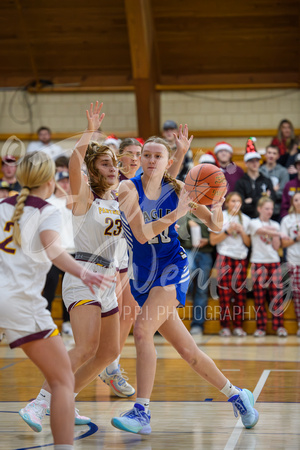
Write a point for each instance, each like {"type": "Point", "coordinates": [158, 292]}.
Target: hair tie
{"type": "Point", "coordinates": [26, 187]}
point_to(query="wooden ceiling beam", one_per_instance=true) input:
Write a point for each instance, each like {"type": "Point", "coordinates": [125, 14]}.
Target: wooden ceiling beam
{"type": "Point", "coordinates": [144, 68]}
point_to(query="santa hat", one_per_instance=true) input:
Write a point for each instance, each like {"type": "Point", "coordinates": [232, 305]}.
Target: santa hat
{"type": "Point", "coordinates": [251, 152]}
{"type": "Point", "coordinates": [223, 146]}
{"type": "Point", "coordinates": [208, 158]}
{"type": "Point", "coordinates": [112, 139]}
{"type": "Point", "coordinates": [140, 140]}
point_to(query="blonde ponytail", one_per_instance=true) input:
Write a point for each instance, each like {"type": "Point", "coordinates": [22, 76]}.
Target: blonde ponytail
{"type": "Point", "coordinates": [19, 209]}
{"type": "Point", "coordinates": [169, 179]}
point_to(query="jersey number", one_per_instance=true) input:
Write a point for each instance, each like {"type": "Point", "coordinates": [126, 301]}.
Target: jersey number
{"type": "Point", "coordinates": [111, 223]}
{"type": "Point", "coordinates": [163, 237]}
{"type": "Point", "coordinates": [4, 244]}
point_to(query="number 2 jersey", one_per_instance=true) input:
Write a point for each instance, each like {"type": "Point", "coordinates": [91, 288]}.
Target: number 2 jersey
{"type": "Point", "coordinates": [23, 269]}
{"type": "Point", "coordinates": [160, 261]}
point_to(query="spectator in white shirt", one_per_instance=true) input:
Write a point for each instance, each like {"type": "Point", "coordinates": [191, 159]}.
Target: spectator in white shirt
{"type": "Point", "coordinates": [44, 144]}
{"type": "Point", "coordinates": [231, 263]}
{"type": "Point", "coordinates": [266, 273]}
{"type": "Point", "coordinates": [290, 227]}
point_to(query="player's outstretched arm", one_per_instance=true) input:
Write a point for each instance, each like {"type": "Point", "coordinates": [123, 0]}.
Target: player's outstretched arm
{"type": "Point", "coordinates": [79, 188]}
{"type": "Point", "coordinates": [183, 144]}
{"type": "Point", "coordinates": [60, 258]}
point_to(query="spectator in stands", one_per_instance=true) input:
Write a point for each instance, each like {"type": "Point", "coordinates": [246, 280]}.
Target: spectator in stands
{"type": "Point", "coordinates": [113, 142]}
{"type": "Point", "coordinates": [44, 144]}
{"type": "Point", "coordinates": [252, 185]}
{"type": "Point", "coordinates": [232, 172]}
{"type": "Point", "coordinates": [4, 189]}
{"type": "Point", "coordinates": [231, 264]}
{"type": "Point", "coordinates": [285, 136]}
{"type": "Point", "coordinates": [62, 164]}
{"type": "Point", "coordinates": [290, 227]}
{"type": "Point", "coordinates": [266, 274]}
{"type": "Point", "coordinates": [278, 175]}
{"type": "Point", "coordinates": [61, 200]}
{"type": "Point", "coordinates": [290, 189]}
{"type": "Point", "coordinates": [9, 168]}
{"type": "Point", "coordinates": [288, 159]}
{"type": "Point", "coordinates": [195, 238]}
{"type": "Point", "coordinates": [170, 130]}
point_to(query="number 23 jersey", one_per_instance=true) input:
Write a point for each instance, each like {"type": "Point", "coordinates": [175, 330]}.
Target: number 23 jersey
{"type": "Point", "coordinates": [99, 230]}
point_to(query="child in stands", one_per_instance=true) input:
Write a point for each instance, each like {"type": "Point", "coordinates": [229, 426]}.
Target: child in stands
{"type": "Point", "coordinates": [232, 250]}
{"type": "Point", "coordinates": [266, 271]}
{"type": "Point", "coordinates": [290, 226]}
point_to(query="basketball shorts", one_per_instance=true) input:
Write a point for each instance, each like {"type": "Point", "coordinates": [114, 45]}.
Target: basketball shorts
{"type": "Point", "coordinates": [177, 274]}
{"type": "Point", "coordinates": [24, 319]}
{"type": "Point", "coordinates": [75, 293]}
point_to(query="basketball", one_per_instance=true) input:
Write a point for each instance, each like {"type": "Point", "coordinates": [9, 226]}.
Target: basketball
{"type": "Point", "coordinates": [206, 184]}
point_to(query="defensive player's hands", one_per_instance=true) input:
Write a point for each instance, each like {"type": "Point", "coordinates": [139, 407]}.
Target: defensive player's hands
{"type": "Point", "coordinates": [91, 279]}
{"type": "Point", "coordinates": [94, 116]}
{"type": "Point", "coordinates": [183, 142]}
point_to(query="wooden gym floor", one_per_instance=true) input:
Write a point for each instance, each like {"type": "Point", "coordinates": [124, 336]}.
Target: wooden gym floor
{"type": "Point", "coordinates": [186, 412]}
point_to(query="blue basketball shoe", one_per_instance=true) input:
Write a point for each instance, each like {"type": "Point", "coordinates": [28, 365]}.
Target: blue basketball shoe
{"type": "Point", "coordinates": [134, 421]}
{"type": "Point", "coordinates": [243, 404]}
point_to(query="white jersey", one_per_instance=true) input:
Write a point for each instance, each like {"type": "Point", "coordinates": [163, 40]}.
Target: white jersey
{"type": "Point", "coordinates": [23, 269]}
{"type": "Point", "coordinates": [262, 251]}
{"type": "Point", "coordinates": [290, 225]}
{"type": "Point", "coordinates": [233, 245]}
{"type": "Point", "coordinates": [99, 230]}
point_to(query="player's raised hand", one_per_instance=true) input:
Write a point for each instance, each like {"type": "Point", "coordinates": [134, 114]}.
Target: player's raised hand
{"type": "Point", "coordinates": [91, 279]}
{"type": "Point", "coordinates": [94, 116]}
{"type": "Point", "coordinates": [183, 142]}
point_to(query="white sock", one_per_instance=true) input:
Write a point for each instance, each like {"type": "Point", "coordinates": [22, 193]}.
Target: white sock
{"type": "Point", "coordinates": [113, 366]}
{"type": "Point", "coordinates": [63, 447]}
{"type": "Point", "coordinates": [229, 390]}
{"type": "Point", "coordinates": [143, 401]}
{"type": "Point", "coordinates": [44, 396]}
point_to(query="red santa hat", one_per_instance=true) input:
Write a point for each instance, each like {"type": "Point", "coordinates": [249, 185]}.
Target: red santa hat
{"type": "Point", "coordinates": [140, 140]}
{"type": "Point", "coordinates": [251, 152]}
{"type": "Point", "coordinates": [208, 158]}
{"type": "Point", "coordinates": [223, 146]}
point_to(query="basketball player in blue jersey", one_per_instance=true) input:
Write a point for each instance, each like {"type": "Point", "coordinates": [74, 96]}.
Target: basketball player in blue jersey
{"type": "Point", "coordinates": [129, 157]}
{"type": "Point", "coordinates": [29, 240]}
{"type": "Point", "coordinates": [150, 205]}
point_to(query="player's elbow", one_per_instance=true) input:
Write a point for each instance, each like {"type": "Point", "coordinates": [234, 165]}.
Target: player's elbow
{"type": "Point", "coordinates": [140, 237]}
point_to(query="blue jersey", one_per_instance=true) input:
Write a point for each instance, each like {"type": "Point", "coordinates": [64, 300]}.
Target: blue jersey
{"type": "Point", "coordinates": [160, 261]}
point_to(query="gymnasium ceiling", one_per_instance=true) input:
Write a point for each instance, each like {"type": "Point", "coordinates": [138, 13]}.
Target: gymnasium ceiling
{"type": "Point", "coordinates": [148, 46]}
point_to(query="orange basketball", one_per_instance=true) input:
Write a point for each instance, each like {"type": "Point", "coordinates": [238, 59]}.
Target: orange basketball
{"type": "Point", "coordinates": [206, 184]}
